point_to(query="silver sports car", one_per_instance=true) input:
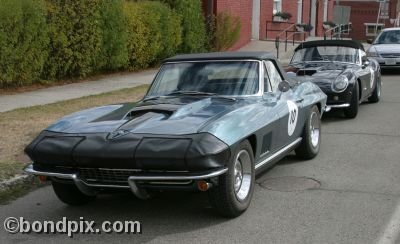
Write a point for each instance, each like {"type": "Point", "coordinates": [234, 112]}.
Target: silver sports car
{"type": "Point", "coordinates": [386, 48]}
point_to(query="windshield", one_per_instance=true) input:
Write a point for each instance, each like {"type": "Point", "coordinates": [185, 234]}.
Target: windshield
{"type": "Point", "coordinates": [220, 78]}
{"type": "Point", "coordinates": [326, 53]}
{"type": "Point", "coordinates": [388, 37]}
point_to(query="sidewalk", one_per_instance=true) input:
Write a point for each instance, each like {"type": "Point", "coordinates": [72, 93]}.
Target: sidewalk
{"type": "Point", "coordinates": [102, 85]}
{"type": "Point", "coordinates": [75, 90]}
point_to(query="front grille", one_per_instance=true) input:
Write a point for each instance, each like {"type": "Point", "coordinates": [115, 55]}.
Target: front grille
{"type": "Point", "coordinates": [99, 175]}
{"type": "Point", "coordinates": [390, 55]}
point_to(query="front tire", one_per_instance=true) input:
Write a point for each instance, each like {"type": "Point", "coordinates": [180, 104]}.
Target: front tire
{"type": "Point", "coordinates": [70, 194]}
{"type": "Point", "coordinates": [232, 196]}
{"type": "Point", "coordinates": [311, 140]}
{"type": "Point", "coordinates": [352, 111]}
{"type": "Point", "coordinates": [376, 94]}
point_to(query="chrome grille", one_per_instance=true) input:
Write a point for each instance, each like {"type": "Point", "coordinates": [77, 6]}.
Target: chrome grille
{"type": "Point", "coordinates": [390, 55]}
{"type": "Point", "coordinates": [102, 176]}
{"type": "Point", "coordinates": [99, 175]}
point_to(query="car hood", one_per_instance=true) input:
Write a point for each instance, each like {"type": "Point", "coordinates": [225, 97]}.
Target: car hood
{"type": "Point", "coordinates": [385, 48]}
{"type": "Point", "coordinates": [177, 116]}
{"type": "Point", "coordinates": [321, 74]}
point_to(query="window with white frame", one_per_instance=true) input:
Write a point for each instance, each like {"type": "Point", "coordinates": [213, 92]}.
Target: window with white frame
{"type": "Point", "coordinates": [277, 6]}
{"type": "Point", "coordinates": [370, 28]}
{"type": "Point", "coordinates": [384, 10]}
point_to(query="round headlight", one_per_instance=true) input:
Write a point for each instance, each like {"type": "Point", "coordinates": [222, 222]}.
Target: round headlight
{"type": "Point", "coordinates": [340, 84]}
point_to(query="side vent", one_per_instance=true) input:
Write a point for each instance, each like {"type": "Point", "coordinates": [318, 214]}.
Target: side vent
{"type": "Point", "coordinates": [266, 143]}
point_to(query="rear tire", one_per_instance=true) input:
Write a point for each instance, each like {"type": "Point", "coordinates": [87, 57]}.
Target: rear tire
{"type": "Point", "coordinates": [352, 111]}
{"type": "Point", "coordinates": [70, 194]}
{"type": "Point", "coordinates": [376, 94]}
{"type": "Point", "coordinates": [232, 196]}
{"type": "Point", "coordinates": [311, 140]}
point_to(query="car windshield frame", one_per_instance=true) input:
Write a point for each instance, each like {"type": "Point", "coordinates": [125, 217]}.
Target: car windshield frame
{"type": "Point", "coordinates": [324, 57]}
{"type": "Point", "coordinates": [383, 35]}
{"type": "Point", "coordinates": [152, 93]}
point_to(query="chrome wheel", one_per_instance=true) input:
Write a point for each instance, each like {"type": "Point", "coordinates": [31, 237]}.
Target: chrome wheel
{"type": "Point", "coordinates": [314, 129]}
{"type": "Point", "coordinates": [242, 175]}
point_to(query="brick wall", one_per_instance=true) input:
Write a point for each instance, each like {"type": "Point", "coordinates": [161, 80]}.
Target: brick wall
{"type": "Point", "coordinates": [243, 9]}
{"type": "Point", "coordinates": [366, 12]}
{"type": "Point", "coordinates": [274, 28]}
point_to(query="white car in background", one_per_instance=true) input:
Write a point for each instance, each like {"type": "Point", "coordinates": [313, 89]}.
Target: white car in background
{"type": "Point", "coordinates": [386, 48]}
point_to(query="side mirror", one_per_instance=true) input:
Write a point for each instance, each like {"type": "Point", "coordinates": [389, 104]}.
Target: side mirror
{"type": "Point", "coordinates": [365, 62]}
{"type": "Point", "coordinates": [284, 86]}
{"type": "Point", "coordinates": [369, 41]}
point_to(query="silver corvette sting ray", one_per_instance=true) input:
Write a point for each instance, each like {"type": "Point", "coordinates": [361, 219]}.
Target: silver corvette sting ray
{"type": "Point", "coordinates": [209, 122]}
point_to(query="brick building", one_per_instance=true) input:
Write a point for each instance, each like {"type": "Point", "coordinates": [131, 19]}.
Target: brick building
{"type": "Point", "coordinates": [364, 13]}
{"type": "Point", "coordinates": [257, 16]}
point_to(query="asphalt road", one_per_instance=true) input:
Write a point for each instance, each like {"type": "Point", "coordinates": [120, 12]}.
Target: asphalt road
{"type": "Point", "coordinates": [358, 200]}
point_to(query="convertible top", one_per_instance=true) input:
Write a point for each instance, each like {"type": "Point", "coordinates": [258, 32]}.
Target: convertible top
{"type": "Point", "coordinates": [221, 56]}
{"type": "Point", "coordinates": [342, 43]}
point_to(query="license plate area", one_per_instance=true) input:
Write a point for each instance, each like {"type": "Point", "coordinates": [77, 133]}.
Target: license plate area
{"type": "Point", "coordinates": [390, 61]}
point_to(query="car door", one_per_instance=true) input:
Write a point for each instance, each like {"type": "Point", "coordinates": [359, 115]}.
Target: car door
{"type": "Point", "coordinates": [366, 75]}
{"type": "Point", "coordinates": [289, 106]}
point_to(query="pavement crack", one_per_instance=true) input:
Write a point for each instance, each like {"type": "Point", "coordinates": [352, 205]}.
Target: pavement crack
{"type": "Point", "coordinates": [360, 133]}
{"type": "Point", "coordinates": [357, 191]}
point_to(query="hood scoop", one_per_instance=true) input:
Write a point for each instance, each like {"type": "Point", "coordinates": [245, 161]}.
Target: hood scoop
{"type": "Point", "coordinates": [304, 72]}
{"type": "Point", "coordinates": [140, 113]}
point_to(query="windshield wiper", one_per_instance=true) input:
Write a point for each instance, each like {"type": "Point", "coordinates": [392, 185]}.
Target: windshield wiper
{"type": "Point", "coordinates": [199, 93]}
{"type": "Point", "coordinates": [151, 98]}
{"type": "Point", "coordinates": [191, 93]}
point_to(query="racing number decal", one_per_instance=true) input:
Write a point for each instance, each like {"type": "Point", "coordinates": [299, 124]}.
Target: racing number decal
{"type": "Point", "coordinates": [293, 114]}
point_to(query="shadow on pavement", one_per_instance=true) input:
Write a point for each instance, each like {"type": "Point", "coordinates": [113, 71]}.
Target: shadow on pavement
{"type": "Point", "coordinates": [167, 213]}
{"type": "Point", "coordinates": [388, 71]}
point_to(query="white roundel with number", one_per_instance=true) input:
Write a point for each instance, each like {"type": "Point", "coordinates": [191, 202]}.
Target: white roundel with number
{"type": "Point", "coordinates": [293, 114]}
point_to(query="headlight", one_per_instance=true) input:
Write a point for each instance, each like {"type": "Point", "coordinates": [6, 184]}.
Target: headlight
{"type": "Point", "coordinates": [340, 84]}
{"type": "Point", "coordinates": [372, 54]}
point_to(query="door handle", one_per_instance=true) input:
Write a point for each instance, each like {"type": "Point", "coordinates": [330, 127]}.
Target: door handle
{"type": "Point", "coordinates": [300, 100]}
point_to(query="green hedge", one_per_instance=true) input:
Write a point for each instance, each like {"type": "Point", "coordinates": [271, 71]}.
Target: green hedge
{"type": "Point", "coordinates": [113, 53]}
{"type": "Point", "coordinates": [226, 32]}
{"type": "Point", "coordinates": [193, 24]}
{"type": "Point", "coordinates": [23, 41]}
{"type": "Point", "coordinates": [75, 38]}
{"type": "Point", "coordinates": [154, 33]}
{"type": "Point", "coordinates": [45, 40]}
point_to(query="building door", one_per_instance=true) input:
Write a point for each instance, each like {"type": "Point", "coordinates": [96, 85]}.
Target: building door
{"type": "Point", "coordinates": [255, 23]}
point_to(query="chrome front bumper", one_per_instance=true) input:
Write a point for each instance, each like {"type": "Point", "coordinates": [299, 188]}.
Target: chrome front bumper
{"type": "Point", "coordinates": [92, 189]}
{"type": "Point", "coordinates": [329, 107]}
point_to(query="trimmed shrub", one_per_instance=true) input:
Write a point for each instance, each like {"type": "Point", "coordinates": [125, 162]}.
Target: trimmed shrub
{"type": "Point", "coordinates": [113, 52]}
{"type": "Point", "coordinates": [227, 31]}
{"type": "Point", "coordinates": [75, 38]}
{"type": "Point", "coordinates": [153, 33]}
{"type": "Point", "coordinates": [193, 24]}
{"type": "Point", "coordinates": [23, 41]}
{"type": "Point", "coordinates": [171, 30]}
